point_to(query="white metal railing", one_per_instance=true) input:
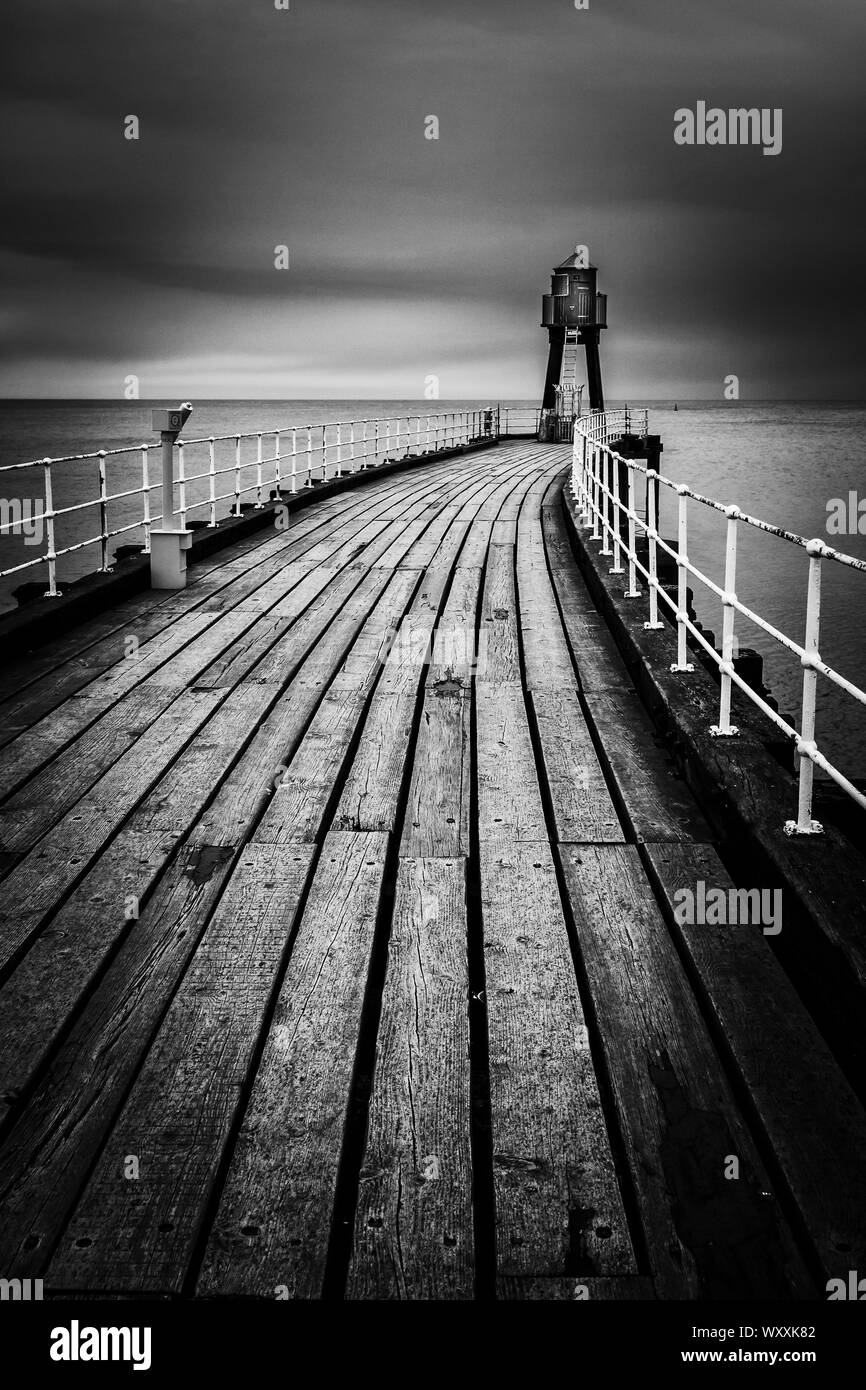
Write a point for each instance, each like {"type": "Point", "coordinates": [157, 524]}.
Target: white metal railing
{"type": "Point", "coordinates": [597, 474]}
{"type": "Point", "coordinates": [230, 467]}
{"type": "Point", "coordinates": [519, 419]}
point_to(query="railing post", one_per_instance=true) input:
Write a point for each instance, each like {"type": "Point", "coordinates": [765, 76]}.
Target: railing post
{"type": "Point", "coordinates": [806, 745]}
{"type": "Point", "coordinates": [682, 662]}
{"type": "Point", "coordinates": [51, 549]}
{"type": "Point", "coordinates": [604, 487]}
{"type": "Point", "coordinates": [652, 536]}
{"type": "Point", "coordinates": [181, 485]}
{"type": "Point", "coordinates": [632, 591]}
{"type": "Point", "coordinates": [103, 515]}
{"type": "Point", "coordinates": [237, 511]}
{"type": "Point", "coordinates": [212, 481]}
{"type": "Point", "coordinates": [339, 472]}
{"type": "Point", "coordinates": [724, 728]}
{"type": "Point", "coordinates": [145, 499]}
{"type": "Point", "coordinates": [309, 482]}
{"type": "Point", "coordinates": [584, 479]}
{"type": "Point", "coordinates": [596, 534]}
{"type": "Point", "coordinates": [616, 567]}
{"type": "Point", "coordinates": [352, 446]}
{"type": "Point", "coordinates": [324, 453]}
{"type": "Point", "coordinates": [364, 433]}
{"type": "Point", "coordinates": [259, 502]}
{"type": "Point", "coordinates": [294, 460]}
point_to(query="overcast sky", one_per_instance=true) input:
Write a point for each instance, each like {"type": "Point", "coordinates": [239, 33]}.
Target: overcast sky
{"type": "Point", "coordinates": [408, 256]}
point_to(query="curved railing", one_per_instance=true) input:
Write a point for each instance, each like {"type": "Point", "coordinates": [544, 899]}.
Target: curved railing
{"type": "Point", "coordinates": [281, 459]}
{"type": "Point", "coordinates": [597, 483]}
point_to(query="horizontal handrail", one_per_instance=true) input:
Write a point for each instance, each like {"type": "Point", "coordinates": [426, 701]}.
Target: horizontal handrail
{"type": "Point", "coordinates": [603, 486]}
{"type": "Point", "coordinates": [286, 457]}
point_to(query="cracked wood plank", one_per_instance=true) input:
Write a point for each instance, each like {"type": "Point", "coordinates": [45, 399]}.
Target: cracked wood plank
{"type": "Point", "coordinates": [274, 1219]}
{"type": "Point", "coordinates": [139, 1235]}
{"type": "Point", "coordinates": [413, 1225]}
{"type": "Point", "coordinates": [558, 1206]}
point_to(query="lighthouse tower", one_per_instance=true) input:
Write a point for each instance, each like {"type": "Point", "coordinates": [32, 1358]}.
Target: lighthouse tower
{"type": "Point", "coordinates": [574, 313]}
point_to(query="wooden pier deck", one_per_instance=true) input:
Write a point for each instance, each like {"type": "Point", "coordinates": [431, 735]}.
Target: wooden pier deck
{"type": "Point", "coordinates": [330, 973]}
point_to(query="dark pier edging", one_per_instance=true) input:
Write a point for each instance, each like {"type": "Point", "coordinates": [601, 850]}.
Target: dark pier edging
{"type": "Point", "coordinates": [38, 620]}
{"type": "Point", "coordinates": [744, 792]}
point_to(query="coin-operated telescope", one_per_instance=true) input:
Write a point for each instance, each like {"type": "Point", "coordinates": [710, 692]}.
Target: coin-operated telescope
{"type": "Point", "coordinates": [169, 543]}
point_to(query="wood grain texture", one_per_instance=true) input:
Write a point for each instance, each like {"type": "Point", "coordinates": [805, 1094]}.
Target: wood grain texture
{"type": "Point", "coordinates": [582, 805]}
{"type": "Point", "coordinates": [708, 1236]}
{"type": "Point", "coordinates": [509, 800]}
{"type": "Point", "coordinates": [413, 1225]}
{"type": "Point", "coordinates": [56, 1139]}
{"type": "Point", "coordinates": [273, 1224]}
{"type": "Point", "coordinates": [558, 1206]}
{"type": "Point", "coordinates": [437, 814]}
{"type": "Point", "coordinates": [657, 801]}
{"type": "Point", "coordinates": [138, 1234]}
{"type": "Point", "coordinates": [62, 856]}
{"type": "Point", "coordinates": [257, 712]}
{"type": "Point", "coordinates": [499, 619]}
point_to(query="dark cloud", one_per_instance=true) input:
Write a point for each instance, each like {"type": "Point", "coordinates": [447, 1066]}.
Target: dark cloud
{"type": "Point", "coordinates": [306, 127]}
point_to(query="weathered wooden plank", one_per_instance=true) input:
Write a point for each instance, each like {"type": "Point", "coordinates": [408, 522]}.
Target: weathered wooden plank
{"type": "Point", "coordinates": [139, 1234]}
{"type": "Point", "coordinates": [371, 793]}
{"type": "Point", "coordinates": [630, 1288]}
{"type": "Point", "coordinates": [30, 812]}
{"type": "Point", "coordinates": [101, 643]}
{"type": "Point", "coordinates": [558, 1207]}
{"type": "Point", "coordinates": [456, 649]}
{"type": "Point", "coordinates": [36, 884]}
{"type": "Point", "coordinates": [40, 996]}
{"type": "Point", "coordinates": [546, 657]}
{"type": "Point", "coordinates": [80, 713]}
{"type": "Point", "coordinates": [509, 801]}
{"type": "Point", "coordinates": [504, 532]}
{"type": "Point", "coordinates": [808, 1111]}
{"type": "Point", "coordinates": [239, 659]}
{"type": "Point", "coordinates": [499, 619]}
{"type": "Point", "coordinates": [297, 809]}
{"type": "Point", "coordinates": [708, 1236]}
{"type": "Point", "coordinates": [413, 1224]}
{"type": "Point", "coordinates": [134, 650]}
{"type": "Point", "coordinates": [437, 814]}
{"type": "Point", "coordinates": [582, 805]}
{"type": "Point", "coordinates": [52, 1147]}
{"type": "Point", "coordinates": [274, 1218]}
{"type": "Point", "coordinates": [475, 545]}
{"type": "Point", "coordinates": [387, 604]}
{"type": "Point", "coordinates": [306, 652]}
{"type": "Point", "coordinates": [37, 1000]}
{"type": "Point", "coordinates": [98, 643]}
{"type": "Point", "coordinates": [657, 801]}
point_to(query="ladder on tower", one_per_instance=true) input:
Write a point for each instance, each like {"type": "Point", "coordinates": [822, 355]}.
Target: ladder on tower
{"type": "Point", "coordinates": [568, 371]}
